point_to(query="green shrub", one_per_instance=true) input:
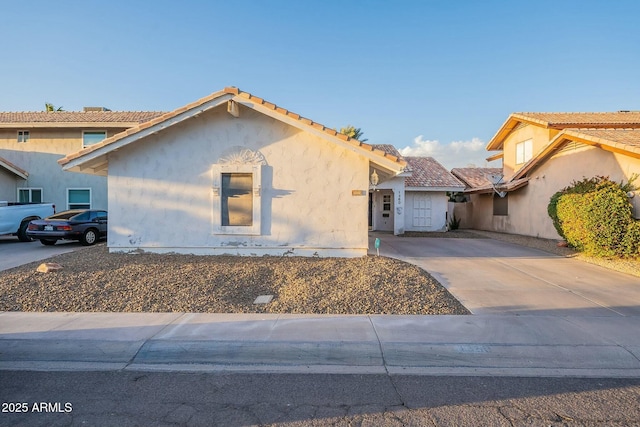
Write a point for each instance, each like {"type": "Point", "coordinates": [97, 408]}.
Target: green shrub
{"type": "Point", "coordinates": [595, 216]}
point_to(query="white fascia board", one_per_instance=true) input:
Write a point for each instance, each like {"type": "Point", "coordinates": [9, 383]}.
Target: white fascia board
{"type": "Point", "coordinates": [383, 162]}
{"type": "Point", "coordinates": [14, 170]}
{"type": "Point", "coordinates": [70, 125]}
{"type": "Point", "coordinates": [76, 165]}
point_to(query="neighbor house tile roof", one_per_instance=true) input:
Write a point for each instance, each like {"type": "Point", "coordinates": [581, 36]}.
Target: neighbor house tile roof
{"type": "Point", "coordinates": [72, 117]}
{"type": "Point", "coordinates": [235, 95]}
{"type": "Point", "coordinates": [619, 119]}
{"type": "Point", "coordinates": [475, 177]}
{"type": "Point", "coordinates": [564, 120]}
{"type": "Point", "coordinates": [427, 172]}
{"type": "Point", "coordinates": [628, 137]}
{"type": "Point", "coordinates": [388, 148]}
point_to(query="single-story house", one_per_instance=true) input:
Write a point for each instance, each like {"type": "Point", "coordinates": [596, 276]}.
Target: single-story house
{"type": "Point", "coordinates": [415, 200]}
{"type": "Point", "coordinates": [234, 174]}
{"type": "Point", "coordinates": [543, 153]}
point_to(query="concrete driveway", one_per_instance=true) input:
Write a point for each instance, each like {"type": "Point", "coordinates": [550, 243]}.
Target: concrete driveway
{"type": "Point", "coordinates": [14, 253]}
{"type": "Point", "coordinates": [495, 277]}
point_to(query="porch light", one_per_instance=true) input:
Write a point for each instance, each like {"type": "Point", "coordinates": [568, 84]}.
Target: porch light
{"type": "Point", "coordinates": [374, 179]}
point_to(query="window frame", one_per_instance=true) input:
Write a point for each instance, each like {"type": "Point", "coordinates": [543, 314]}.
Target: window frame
{"type": "Point", "coordinates": [23, 136]}
{"type": "Point", "coordinates": [84, 132]}
{"type": "Point", "coordinates": [216, 212]}
{"type": "Point", "coordinates": [79, 188]}
{"type": "Point", "coordinates": [30, 190]}
{"type": "Point", "coordinates": [524, 151]}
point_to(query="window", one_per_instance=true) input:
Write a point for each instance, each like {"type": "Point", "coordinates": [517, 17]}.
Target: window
{"type": "Point", "coordinates": [501, 205]}
{"type": "Point", "coordinates": [78, 198]}
{"type": "Point", "coordinates": [92, 137]}
{"type": "Point", "coordinates": [30, 195]}
{"type": "Point", "coordinates": [386, 202]}
{"type": "Point", "coordinates": [23, 136]}
{"type": "Point", "coordinates": [524, 151]}
{"type": "Point", "coordinates": [236, 199]}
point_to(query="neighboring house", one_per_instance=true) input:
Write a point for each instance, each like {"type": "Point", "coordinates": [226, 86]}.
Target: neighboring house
{"type": "Point", "coordinates": [234, 174]}
{"type": "Point", "coordinates": [472, 178]}
{"type": "Point", "coordinates": [545, 152]}
{"type": "Point", "coordinates": [415, 200]}
{"type": "Point", "coordinates": [31, 143]}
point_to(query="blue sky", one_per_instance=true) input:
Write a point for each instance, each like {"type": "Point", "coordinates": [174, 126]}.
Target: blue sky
{"type": "Point", "coordinates": [430, 77]}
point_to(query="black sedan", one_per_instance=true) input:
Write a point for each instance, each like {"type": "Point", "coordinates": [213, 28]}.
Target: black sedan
{"type": "Point", "coordinates": [87, 226]}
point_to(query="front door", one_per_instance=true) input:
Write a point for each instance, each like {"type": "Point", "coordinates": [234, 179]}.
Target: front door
{"type": "Point", "coordinates": [384, 208]}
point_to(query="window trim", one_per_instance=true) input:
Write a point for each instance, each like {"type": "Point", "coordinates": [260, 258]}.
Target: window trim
{"type": "Point", "coordinates": [23, 136]}
{"type": "Point", "coordinates": [216, 209]}
{"type": "Point", "coordinates": [93, 131]}
{"type": "Point", "coordinates": [526, 154]}
{"type": "Point", "coordinates": [30, 189]}
{"type": "Point", "coordinates": [80, 188]}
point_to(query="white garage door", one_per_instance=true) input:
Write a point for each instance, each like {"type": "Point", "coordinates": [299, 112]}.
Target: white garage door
{"type": "Point", "coordinates": [421, 210]}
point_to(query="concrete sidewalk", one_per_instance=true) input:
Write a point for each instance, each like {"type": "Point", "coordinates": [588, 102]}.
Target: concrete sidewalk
{"type": "Point", "coordinates": [535, 314]}
{"type": "Point", "coordinates": [430, 345]}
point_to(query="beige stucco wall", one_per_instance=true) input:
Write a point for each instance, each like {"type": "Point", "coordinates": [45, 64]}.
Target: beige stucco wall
{"type": "Point", "coordinates": [540, 138]}
{"type": "Point", "coordinates": [528, 206]}
{"type": "Point", "coordinates": [39, 158]}
{"type": "Point", "coordinates": [161, 197]}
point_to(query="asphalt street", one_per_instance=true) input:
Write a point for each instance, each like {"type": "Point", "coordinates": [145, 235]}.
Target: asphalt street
{"type": "Point", "coordinates": [125, 398]}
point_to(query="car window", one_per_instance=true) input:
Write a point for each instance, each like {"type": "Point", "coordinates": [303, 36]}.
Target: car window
{"type": "Point", "coordinates": [64, 215]}
{"type": "Point", "coordinates": [81, 217]}
{"type": "Point", "coordinates": [101, 215]}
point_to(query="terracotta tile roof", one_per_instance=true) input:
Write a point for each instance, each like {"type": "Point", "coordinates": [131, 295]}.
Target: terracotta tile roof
{"type": "Point", "coordinates": [427, 172]}
{"type": "Point", "coordinates": [237, 95]}
{"type": "Point", "coordinates": [629, 137]}
{"type": "Point", "coordinates": [564, 120]}
{"type": "Point", "coordinates": [388, 148]}
{"type": "Point", "coordinates": [77, 117]}
{"type": "Point", "coordinates": [475, 177]}
{"type": "Point", "coordinates": [619, 119]}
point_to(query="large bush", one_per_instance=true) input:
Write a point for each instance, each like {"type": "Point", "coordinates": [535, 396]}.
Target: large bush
{"type": "Point", "coordinates": [595, 216]}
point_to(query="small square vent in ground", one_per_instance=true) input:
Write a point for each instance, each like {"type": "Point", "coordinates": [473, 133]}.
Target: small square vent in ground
{"type": "Point", "coordinates": [263, 299]}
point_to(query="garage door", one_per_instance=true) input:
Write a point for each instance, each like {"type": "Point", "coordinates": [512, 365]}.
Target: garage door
{"type": "Point", "coordinates": [421, 210]}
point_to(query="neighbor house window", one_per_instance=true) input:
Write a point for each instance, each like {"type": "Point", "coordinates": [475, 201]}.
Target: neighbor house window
{"type": "Point", "coordinates": [92, 137]}
{"type": "Point", "coordinates": [524, 151]}
{"type": "Point", "coordinates": [30, 195]}
{"type": "Point", "coordinates": [23, 136]}
{"type": "Point", "coordinates": [236, 199]}
{"type": "Point", "coordinates": [78, 198]}
{"type": "Point", "coordinates": [500, 205]}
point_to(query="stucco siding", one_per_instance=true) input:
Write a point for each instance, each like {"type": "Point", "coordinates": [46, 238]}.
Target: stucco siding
{"type": "Point", "coordinates": [8, 185]}
{"type": "Point", "coordinates": [540, 138]}
{"type": "Point", "coordinates": [39, 158]}
{"type": "Point", "coordinates": [528, 206]}
{"type": "Point", "coordinates": [161, 197]}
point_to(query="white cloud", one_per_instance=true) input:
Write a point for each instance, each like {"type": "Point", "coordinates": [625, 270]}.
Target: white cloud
{"type": "Point", "coordinates": [452, 155]}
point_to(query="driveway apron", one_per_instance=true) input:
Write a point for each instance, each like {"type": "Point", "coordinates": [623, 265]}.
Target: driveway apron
{"type": "Point", "coordinates": [495, 277]}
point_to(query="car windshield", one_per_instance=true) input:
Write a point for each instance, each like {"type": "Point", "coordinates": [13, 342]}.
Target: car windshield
{"type": "Point", "coordinates": [65, 215]}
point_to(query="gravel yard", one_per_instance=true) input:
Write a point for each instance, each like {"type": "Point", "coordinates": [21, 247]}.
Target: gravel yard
{"type": "Point", "coordinates": [94, 280]}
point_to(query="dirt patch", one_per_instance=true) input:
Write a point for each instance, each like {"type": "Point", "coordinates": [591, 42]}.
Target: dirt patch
{"type": "Point", "coordinates": [92, 279]}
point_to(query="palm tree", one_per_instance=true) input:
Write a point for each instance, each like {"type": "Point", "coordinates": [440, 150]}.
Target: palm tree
{"type": "Point", "coordinates": [353, 132]}
{"type": "Point", "coordinates": [48, 107]}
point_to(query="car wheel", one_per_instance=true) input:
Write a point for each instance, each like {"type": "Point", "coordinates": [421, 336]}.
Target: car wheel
{"type": "Point", "coordinates": [48, 242]}
{"type": "Point", "coordinates": [89, 237]}
{"type": "Point", "coordinates": [22, 232]}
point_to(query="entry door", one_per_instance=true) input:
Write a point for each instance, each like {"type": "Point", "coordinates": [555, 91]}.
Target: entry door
{"type": "Point", "coordinates": [422, 210]}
